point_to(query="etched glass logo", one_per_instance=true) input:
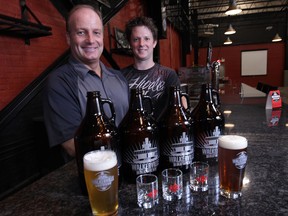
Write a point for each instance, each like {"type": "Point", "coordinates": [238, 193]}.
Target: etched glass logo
{"type": "Point", "coordinates": [210, 148]}
{"type": "Point", "coordinates": [103, 180]}
{"type": "Point", "coordinates": [240, 160]}
{"type": "Point", "coordinates": [145, 158]}
{"type": "Point", "coordinates": [182, 152]}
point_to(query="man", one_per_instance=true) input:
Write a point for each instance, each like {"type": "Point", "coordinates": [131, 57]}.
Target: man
{"type": "Point", "coordinates": [152, 77]}
{"type": "Point", "coordinates": [64, 99]}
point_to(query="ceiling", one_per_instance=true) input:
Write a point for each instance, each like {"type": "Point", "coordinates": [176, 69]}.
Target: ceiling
{"type": "Point", "coordinates": [203, 21]}
{"type": "Point", "coordinates": [208, 9]}
{"type": "Point", "coordinates": [206, 18]}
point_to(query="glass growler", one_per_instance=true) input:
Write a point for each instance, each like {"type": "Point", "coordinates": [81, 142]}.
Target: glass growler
{"type": "Point", "coordinates": [139, 139]}
{"type": "Point", "coordinates": [208, 125]}
{"type": "Point", "coordinates": [177, 141]}
{"type": "Point", "coordinates": [96, 132]}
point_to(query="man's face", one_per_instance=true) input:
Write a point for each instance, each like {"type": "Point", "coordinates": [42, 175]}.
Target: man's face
{"type": "Point", "coordinates": [85, 36]}
{"type": "Point", "coordinates": [142, 43]}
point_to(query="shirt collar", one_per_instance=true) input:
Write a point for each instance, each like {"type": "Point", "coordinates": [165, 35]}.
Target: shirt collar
{"type": "Point", "coordinates": [79, 67]}
{"type": "Point", "coordinates": [83, 71]}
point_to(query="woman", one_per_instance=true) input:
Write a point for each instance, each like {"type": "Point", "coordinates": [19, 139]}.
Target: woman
{"type": "Point", "coordinates": [153, 78]}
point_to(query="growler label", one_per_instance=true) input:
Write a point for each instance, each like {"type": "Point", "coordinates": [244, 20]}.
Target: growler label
{"type": "Point", "coordinates": [180, 151]}
{"type": "Point", "coordinates": [240, 160]}
{"type": "Point", "coordinates": [209, 144]}
{"type": "Point", "coordinates": [103, 181]}
{"type": "Point", "coordinates": [143, 157]}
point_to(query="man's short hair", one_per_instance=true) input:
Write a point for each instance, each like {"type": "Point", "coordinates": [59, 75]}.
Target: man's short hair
{"type": "Point", "coordinates": [79, 6]}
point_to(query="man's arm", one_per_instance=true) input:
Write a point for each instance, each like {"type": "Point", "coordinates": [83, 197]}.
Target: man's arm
{"type": "Point", "coordinates": [62, 112]}
{"type": "Point", "coordinates": [69, 147]}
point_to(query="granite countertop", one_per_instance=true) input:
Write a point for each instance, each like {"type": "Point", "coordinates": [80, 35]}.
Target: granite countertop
{"type": "Point", "coordinates": [266, 192]}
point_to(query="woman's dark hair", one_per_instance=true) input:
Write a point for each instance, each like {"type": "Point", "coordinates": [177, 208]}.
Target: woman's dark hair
{"type": "Point", "coordinates": [141, 21]}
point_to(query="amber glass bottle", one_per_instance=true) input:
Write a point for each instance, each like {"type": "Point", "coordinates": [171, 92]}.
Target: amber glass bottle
{"type": "Point", "coordinates": [96, 132]}
{"type": "Point", "coordinates": [176, 134]}
{"type": "Point", "coordinates": [139, 139]}
{"type": "Point", "coordinates": [208, 125]}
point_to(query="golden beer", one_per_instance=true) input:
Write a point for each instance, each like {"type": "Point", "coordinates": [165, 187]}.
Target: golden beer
{"type": "Point", "coordinates": [232, 158]}
{"type": "Point", "coordinates": [101, 177]}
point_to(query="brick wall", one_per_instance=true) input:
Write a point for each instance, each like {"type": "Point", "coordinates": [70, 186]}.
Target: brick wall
{"type": "Point", "coordinates": [170, 51]}
{"type": "Point", "coordinates": [21, 63]}
{"type": "Point", "coordinates": [169, 48]}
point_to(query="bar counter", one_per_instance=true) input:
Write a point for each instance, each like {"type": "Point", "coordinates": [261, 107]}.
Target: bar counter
{"type": "Point", "coordinates": [265, 191]}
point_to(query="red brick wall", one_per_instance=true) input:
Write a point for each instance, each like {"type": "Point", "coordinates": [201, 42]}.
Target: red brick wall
{"type": "Point", "coordinates": [169, 48]}
{"type": "Point", "coordinates": [132, 9]}
{"type": "Point", "coordinates": [21, 63]}
{"type": "Point", "coordinates": [232, 56]}
{"type": "Point", "coordinates": [170, 52]}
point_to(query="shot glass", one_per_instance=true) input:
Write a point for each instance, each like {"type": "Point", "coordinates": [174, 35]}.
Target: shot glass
{"type": "Point", "coordinates": [147, 190]}
{"type": "Point", "coordinates": [199, 176]}
{"type": "Point", "coordinates": [172, 184]}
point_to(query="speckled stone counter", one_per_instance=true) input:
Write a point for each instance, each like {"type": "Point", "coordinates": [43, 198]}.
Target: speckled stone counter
{"type": "Point", "coordinates": [266, 193]}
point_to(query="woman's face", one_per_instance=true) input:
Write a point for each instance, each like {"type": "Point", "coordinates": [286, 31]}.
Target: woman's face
{"type": "Point", "coordinates": [142, 43]}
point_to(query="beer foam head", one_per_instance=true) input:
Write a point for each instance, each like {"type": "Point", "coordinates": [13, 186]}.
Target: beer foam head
{"type": "Point", "coordinates": [233, 142]}
{"type": "Point", "coordinates": [99, 160]}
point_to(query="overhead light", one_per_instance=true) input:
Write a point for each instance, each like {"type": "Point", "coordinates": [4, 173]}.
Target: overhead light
{"type": "Point", "coordinates": [277, 38]}
{"type": "Point", "coordinates": [233, 9]}
{"type": "Point", "coordinates": [230, 30]}
{"type": "Point", "coordinates": [227, 41]}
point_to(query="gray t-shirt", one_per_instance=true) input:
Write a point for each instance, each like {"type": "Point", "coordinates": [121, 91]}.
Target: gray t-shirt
{"type": "Point", "coordinates": [155, 83]}
{"type": "Point", "coordinates": [64, 97]}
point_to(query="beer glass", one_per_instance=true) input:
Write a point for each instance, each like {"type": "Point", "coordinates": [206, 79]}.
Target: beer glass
{"type": "Point", "coordinates": [101, 177]}
{"type": "Point", "coordinates": [232, 158]}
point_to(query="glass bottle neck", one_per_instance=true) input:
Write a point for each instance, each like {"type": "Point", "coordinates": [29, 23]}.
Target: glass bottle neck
{"type": "Point", "coordinates": [206, 94]}
{"type": "Point", "coordinates": [175, 97]}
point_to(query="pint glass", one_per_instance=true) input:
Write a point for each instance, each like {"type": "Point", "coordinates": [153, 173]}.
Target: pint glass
{"type": "Point", "coordinates": [232, 158]}
{"type": "Point", "coordinates": [101, 177]}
